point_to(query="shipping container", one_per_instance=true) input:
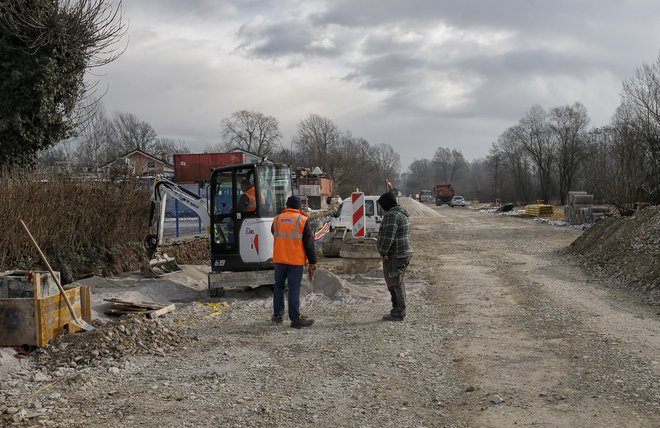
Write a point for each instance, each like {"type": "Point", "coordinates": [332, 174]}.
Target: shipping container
{"type": "Point", "coordinates": [193, 168]}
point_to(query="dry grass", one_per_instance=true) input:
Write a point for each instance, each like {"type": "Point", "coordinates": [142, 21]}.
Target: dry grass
{"type": "Point", "coordinates": [80, 225]}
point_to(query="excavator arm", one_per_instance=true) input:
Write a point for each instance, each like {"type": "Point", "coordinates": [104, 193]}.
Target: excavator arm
{"type": "Point", "coordinates": [162, 188]}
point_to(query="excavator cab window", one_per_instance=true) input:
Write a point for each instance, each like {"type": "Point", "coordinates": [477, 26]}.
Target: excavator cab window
{"type": "Point", "coordinates": [243, 193]}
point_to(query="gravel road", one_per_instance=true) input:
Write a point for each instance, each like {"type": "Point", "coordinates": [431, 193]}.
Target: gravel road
{"type": "Point", "coordinates": [502, 330]}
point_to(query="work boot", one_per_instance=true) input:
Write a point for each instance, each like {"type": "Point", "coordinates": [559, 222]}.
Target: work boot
{"type": "Point", "coordinates": [301, 322]}
{"type": "Point", "coordinates": [393, 317]}
{"type": "Point", "coordinates": [277, 319]}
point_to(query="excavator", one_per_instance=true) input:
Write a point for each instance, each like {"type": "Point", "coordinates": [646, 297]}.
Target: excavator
{"type": "Point", "coordinates": [239, 232]}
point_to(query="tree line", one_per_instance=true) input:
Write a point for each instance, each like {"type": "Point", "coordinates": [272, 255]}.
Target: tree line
{"type": "Point", "coordinates": [351, 162]}
{"type": "Point", "coordinates": [551, 152]}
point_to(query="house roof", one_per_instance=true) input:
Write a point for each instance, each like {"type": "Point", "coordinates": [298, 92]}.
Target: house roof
{"type": "Point", "coordinates": [152, 157]}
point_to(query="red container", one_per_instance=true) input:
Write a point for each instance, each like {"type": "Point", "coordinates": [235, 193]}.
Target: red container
{"type": "Point", "coordinates": [193, 168]}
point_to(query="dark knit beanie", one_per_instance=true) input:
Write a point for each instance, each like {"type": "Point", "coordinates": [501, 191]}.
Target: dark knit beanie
{"type": "Point", "coordinates": [387, 200]}
{"type": "Point", "coordinates": [293, 202]}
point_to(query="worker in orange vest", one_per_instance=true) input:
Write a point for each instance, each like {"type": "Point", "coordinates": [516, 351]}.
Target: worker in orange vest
{"type": "Point", "coordinates": [292, 249]}
{"type": "Point", "coordinates": [248, 200]}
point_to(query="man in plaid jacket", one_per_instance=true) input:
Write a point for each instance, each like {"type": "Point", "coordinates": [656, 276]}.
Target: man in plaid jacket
{"type": "Point", "coordinates": [395, 248]}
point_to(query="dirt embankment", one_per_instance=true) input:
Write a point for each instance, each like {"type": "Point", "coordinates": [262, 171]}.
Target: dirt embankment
{"type": "Point", "coordinates": [626, 249]}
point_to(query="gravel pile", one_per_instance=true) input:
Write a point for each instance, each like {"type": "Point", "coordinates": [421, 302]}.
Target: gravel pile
{"type": "Point", "coordinates": [110, 344]}
{"type": "Point", "coordinates": [624, 248]}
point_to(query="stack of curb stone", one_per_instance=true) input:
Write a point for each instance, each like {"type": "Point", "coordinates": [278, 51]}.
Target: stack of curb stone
{"type": "Point", "coordinates": [581, 209]}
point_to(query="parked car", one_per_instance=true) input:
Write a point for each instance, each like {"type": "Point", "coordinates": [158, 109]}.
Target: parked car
{"type": "Point", "coordinates": [457, 201]}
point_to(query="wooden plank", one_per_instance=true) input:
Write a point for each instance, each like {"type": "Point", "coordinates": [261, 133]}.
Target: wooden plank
{"type": "Point", "coordinates": [56, 314]}
{"type": "Point", "coordinates": [38, 324]}
{"type": "Point", "coordinates": [118, 312]}
{"type": "Point", "coordinates": [86, 302]}
{"type": "Point", "coordinates": [146, 305]}
{"type": "Point", "coordinates": [162, 311]}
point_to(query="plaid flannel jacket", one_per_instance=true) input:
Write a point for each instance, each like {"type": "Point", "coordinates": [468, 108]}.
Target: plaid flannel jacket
{"type": "Point", "coordinates": [394, 232]}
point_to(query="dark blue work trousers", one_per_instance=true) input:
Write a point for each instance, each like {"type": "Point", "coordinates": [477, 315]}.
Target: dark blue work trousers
{"type": "Point", "coordinates": [291, 274]}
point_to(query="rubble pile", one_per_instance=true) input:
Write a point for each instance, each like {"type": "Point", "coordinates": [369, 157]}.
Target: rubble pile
{"type": "Point", "coordinates": [624, 248]}
{"type": "Point", "coordinates": [111, 343]}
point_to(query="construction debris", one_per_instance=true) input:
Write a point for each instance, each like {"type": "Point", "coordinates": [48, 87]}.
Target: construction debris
{"type": "Point", "coordinates": [150, 309]}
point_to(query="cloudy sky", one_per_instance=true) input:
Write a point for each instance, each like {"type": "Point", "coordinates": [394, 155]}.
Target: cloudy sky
{"type": "Point", "coordinates": [414, 74]}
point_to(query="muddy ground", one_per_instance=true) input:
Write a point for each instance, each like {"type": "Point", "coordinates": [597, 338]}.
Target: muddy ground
{"type": "Point", "coordinates": [504, 327]}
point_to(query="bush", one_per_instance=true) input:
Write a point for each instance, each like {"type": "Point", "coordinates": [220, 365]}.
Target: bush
{"type": "Point", "coordinates": [82, 226]}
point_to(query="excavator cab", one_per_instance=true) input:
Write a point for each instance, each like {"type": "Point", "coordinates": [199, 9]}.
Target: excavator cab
{"type": "Point", "coordinates": [243, 200]}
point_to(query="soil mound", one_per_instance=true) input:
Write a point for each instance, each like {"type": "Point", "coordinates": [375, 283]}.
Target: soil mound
{"type": "Point", "coordinates": [624, 248]}
{"type": "Point", "coordinates": [333, 287]}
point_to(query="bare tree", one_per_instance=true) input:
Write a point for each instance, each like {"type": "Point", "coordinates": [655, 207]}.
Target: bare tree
{"type": "Point", "coordinates": [93, 139]}
{"type": "Point", "coordinates": [388, 164]}
{"type": "Point", "coordinates": [317, 139]}
{"type": "Point", "coordinates": [495, 169]}
{"type": "Point", "coordinates": [353, 163]}
{"type": "Point", "coordinates": [129, 133]}
{"type": "Point", "coordinates": [447, 164]}
{"type": "Point", "coordinates": [420, 176]}
{"type": "Point", "coordinates": [478, 183]}
{"type": "Point", "coordinates": [640, 111]}
{"type": "Point", "coordinates": [598, 166]}
{"type": "Point", "coordinates": [516, 161]}
{"type": "Point", "coordinates": [169, 146]}
{"type": "Point", "coordinates": [532, 133]}
{"type": "Point", "coordinates": [251, 131]}
{"type": "Point", "coordinates": [630, 173]}
{"type": "Point", "coordinates": [568, 125]}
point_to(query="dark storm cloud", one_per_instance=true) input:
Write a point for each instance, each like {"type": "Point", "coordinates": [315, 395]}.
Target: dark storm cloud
{"type": "Point", "coordinates": [291, 38]}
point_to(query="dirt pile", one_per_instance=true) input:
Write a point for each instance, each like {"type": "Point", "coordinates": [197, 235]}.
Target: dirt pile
{"type": "Point", "coordinates": [333, 287]}
{"type": "Point", "coordinates": [416, 208]}
{"type": "Point", "coordinates": [624, 248]}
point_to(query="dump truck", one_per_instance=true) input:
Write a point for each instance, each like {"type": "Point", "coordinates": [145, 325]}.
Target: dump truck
{"type": "Point", "coordinates": [443, 194]}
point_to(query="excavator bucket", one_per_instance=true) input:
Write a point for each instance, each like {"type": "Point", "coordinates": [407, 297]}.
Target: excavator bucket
{"type": "Point", "coordinates": [160, 265]}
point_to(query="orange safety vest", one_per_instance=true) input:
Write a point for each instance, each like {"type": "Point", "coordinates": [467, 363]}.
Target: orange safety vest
{"type": "Point", "coordinates": [288, 232]}
{"type": "Point", "coordinates": [252, 200]}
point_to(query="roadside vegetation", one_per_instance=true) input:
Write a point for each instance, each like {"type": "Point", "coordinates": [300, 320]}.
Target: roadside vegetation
{"type": "Point", "coordinates": [82, 226]}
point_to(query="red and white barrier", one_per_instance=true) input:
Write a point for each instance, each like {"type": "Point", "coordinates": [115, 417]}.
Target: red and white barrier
{"type": "Point", "coordinates": [357, 198]}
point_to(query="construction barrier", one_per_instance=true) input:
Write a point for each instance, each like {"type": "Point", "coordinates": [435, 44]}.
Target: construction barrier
{"type": "Point", "coordinates": [357, 199]}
